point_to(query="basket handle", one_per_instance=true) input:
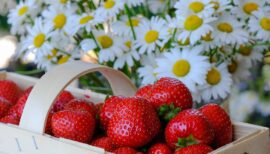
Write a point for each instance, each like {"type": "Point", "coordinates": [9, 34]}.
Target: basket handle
{"type": "Point", "coordinates": [51, 84]}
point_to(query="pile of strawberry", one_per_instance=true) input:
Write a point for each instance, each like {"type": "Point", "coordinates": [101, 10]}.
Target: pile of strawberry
{"type": "Point", "coordinates": [158, 120]}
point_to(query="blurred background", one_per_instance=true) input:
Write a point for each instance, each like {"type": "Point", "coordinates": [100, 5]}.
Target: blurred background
{"type": "Point", "coordinates": [249, 101]}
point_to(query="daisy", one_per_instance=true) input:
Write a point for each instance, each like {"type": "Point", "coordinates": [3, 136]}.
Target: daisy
{"type": "Point", "coordinates": [110, 45]}
{"type": "Point", "coordinates": [221, 5]}
{"type": "Point", "coordinates": [133, 3]}
{"type": "Point", "coordinates": [201, 7]}
{"type": "Point", "coordinates": [251, 54]}
{"type": "Point", "coordinates": [58, 2]}
{"type": "Point", "coordinates": [188, 66]}
{"type": "Point", "coordinates": [245, 8]}
{"type": "Point", "coordinates": [151, 34]}
{"type": "Point", "coordinates": [38, 39]}
{"type": "Point", "coordinates": [86, 20]}
{"type": "Point", "coordinates": [122, 27]}
{"type": "Point", "coordinates": [20, 16]}
{"type": "Point", "coordinates": [218, 83]}
{"type": "Point", "coordinates": [147, 71]}
{"type": "Point", "coordinates": [59, 17]}
{"type": "Point", "coordinates": [194, 27]}
{"type": "Point", "coordinates": [129, 55]}
{"type": "Point", "coordinates": [228, 30]}
{"type": "Point", "coordinates": [6, 5]}
{"type": "Point", "coordinates": [239, 69]}
{"type": "Point", "coordinates": [207, 41]}
{"type": "Point", "coordinates": [87, 45]}
{"type": "Point", "coordinates": [259, 24]}
{"type": "Point", "coordinates": [157, 6]}
{"type": "Point", "coordinates": [172, 24]}
{"type": "Point", "coordinates": [110, 8]}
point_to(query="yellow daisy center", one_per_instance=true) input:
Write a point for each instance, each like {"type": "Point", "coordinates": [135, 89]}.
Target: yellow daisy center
{"type": "Point", "coordinates": [208, 37]}
{"type": "Point", "coordinates": [183, 43]}
{"type": "Point", "coordinates": [39, 40]}
{"type": "Point", "coordinates": [181, 68]}
{"type": "Point", "coordinates": [233, 67]}
{"type": "Point", "coordinates": [213, 77]}
{"type": "Point", "coordinates": [109, 4]}
{"type": "Point", "coordinates": [216, 5]}
{"type": "Point", "coordinates": [151, 36]}
{"type": "Point", "coordinates": [105, 41]}
{"type": "Point", "coordinates": [245, 50]}
{"type": "Point", "coordinates": [265, 23]}
{"type": "Point", "coordinates": [135, 23]}
{"type": "Point", "coordinates": [196, 6]}
{"type": "Point", "coordinates": [193, 22]}
{"type": "Point", "coordinates": [86, 19]}
{"type": "Point", "coordinates": [250, 7]}
{"type": "Point", "coordinates": [63, 59]}
{"type": "Point", "coordinates": [128, 44]}
{"type": "Point", "coordinates": [22, 10]}
{"type": "Point", "coordinates": [63, 1]}
{"type": "Point", "coordinates": [225, 27]}
{"type": "Point", "coordinates": [53, 54]}
{"type": "Point", "coordinates": [60, 21]}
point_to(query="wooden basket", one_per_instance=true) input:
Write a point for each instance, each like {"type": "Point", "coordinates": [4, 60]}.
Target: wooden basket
{"type": "Point", "coordinates": [29, 136]}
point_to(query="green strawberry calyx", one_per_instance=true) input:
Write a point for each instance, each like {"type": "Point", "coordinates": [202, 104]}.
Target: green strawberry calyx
{"type": "Point", "coordinates": [184, 142]}
{"type": "Point", "coordinates": [168, 111]}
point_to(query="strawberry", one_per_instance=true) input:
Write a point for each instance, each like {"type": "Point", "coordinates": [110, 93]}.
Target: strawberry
{"type": "Point", "coordinates": [98, 107]}
{"type": "Point", "coordinates": [19, 106]}
{"type": "Point", "coordinates": [159, 148]}
{"type": "Point", "coordinates": [125, 150]}
{"type": "Point", "coordinates": [105, 143]}
{"type": "Point", "coordinates": [189, 127]}
{"type": "Point", "coordinates": [107, 110]}
{"type": "Point", "coordinates": [195, 149]}
{"type": "Point", "coordinates": [81, 104]}
{"type": "Point", "coordinates": [145, 91]}
{"type": "Point", "coordinates": [10, 119]}
{"type": "Point", "coordinates": [61, 100]}
{"type": "Point", "coordinates": [10, 91]}
{"type": "Point", "coordinates": [48, 128]}
{"type": "Point", "coordinates": [134, 123]}
{"type": "Point", "coordinates": [76, 125]}
{"type": "Point", "coordinates": [220, 122]}
{"type": "Point", "coordinates": [4, 106]}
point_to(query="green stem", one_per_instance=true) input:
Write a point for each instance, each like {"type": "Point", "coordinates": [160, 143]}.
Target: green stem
{"type": "Point", "coordinates": [32, 72]}
{"type": "Point", "coordinates": [95, 40]}
{"type": "Point", "coordinates": [130, 21]}
{"type": "Point", "coordinates": [62, 51]}
{"type": "Point", "coordinates": [80, 4]}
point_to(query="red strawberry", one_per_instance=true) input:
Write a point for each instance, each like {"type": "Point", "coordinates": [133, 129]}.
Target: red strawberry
{"type": "Point", "coordinates": [10, 91]}
{"type": "Point", "coordinates": [80, 104]}
{"type": "Point", "coordinates": [19, 106]}
{"type": "Point", "coordinates": [105, 143]}
{"type": "Point", "coordinates": [75, 125]}
{"type": "Point", "coordinates": [159, 148]}
{"type": "Point", "coordinates": [167, 91]}
{"type": "Point", "coordinates": [48, 128]}
{"type": "Point", "coordinates": [125, 150]}
{"type": "Point", "coordinates": [10, 119]}
{"type": "Point", "coordinates": [195, 149]}
{"type": "Point", "coordinates": [134, 123]}
{"type": "Point", "coordinates": [4, 106]}
{"type": "Point", "coordinates": [98, 107]}
{"type": "Point", "coordinates": [220, 122]}
{"type": "Point", "coordinates": [107, 110]}
{"type": "Point", "coordinates": [189, 127]}
{"type": "Point", "coordinates": [61, 100]}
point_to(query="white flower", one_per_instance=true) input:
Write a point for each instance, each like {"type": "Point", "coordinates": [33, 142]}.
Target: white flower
{"type": "Point", "coordinates": [201, 7]}
{"type": "Point", "coordinates": [259, 24]}
{"type": "Point", "coordinates": [207, 41]}
{"type": "Point", "coordinates": [60, 17]}
{"type": "Point", "coordinates": [221, 5]}
{"type": "Point", "coordinates": [146, 72]}
{"type": "Point", "coordinates": [157, 6]}
{"type": "Point", "coordinates": [239, 68]}
{"type": "Point", "coordinates": [37, 40]}
{"type": "Point", "coordinates": [58, 2]}
{"type": "Point", "coordinates": [263, 108]}
{"type": "Point", "coordinates": [251, 54]}
{"type": "Point", "coordinates": [194, 27]}
{"type": "Point", "coordinates": [151, 34]}
{"type": "Point", "coordinates": [22, 15]}
{"type": "Point", "coordinates": [188, 66]}
{"type": "Point", "coordinates": [129, 55]}
{"type": "Point", "coordinates": [86, 20]}
{"type": "Point", "coordinates": [123, 27]}
{"type": "Point", "coordinates": [110, 8]}
{"type": "Point", "coordinates": [6, 5]}
{"type": "Point", "coordinates": [87, 45]}
{"type": "Point", "coordinates": [132, 3]}
{"type": "Point", "coordinates": [218, 83]}
{"type": "Point", "coordinates": [245, 8]}
{"type": "Point", "coordinates": [228, 30]}
{"type": "Point", "coordinates": [110, 45]}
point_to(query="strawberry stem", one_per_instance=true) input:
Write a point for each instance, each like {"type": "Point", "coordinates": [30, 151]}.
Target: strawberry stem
{"type": "Point", "coordinates": [167, 112]}
{"type": "Point", "coordinates": [184, 142]}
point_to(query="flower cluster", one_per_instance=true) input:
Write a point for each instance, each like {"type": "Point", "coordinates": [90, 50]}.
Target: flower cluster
{"type": "Point", "coordinates": [207, 44]}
